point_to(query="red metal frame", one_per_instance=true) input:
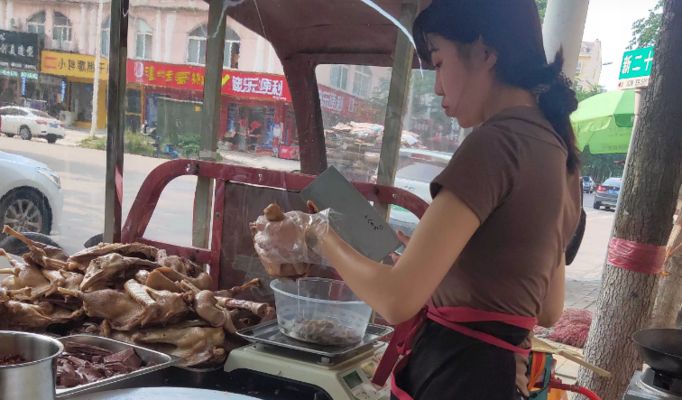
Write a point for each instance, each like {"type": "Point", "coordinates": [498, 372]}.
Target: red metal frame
{"type": "Point", "coordinates": [147, 198]}
{"type": "Point", "coordinates": [557, 384]}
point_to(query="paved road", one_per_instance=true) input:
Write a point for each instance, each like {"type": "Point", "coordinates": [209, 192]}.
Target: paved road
{"type": "Point", "coordinates": [82, 173]}
{"type": "Point", "coordinates": [590, 259]}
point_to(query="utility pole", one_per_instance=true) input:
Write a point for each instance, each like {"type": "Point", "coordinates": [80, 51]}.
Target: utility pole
{"type": "Point", "coordinates": [563, 29]}
{"type": "Point", "coordinates": [399, 88]}
{"type": "Point", "coordinates": [215, 48]}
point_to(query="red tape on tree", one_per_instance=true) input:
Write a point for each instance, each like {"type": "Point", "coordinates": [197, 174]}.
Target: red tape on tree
{"type": "Point", "coordinates": [636, 257]}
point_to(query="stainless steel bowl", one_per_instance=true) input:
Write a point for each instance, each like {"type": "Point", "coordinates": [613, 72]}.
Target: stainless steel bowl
{"type": "Point", "coordinates": [34, 379]}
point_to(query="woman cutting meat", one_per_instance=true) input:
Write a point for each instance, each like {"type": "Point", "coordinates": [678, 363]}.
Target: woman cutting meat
{"type": "Point", "coordinates": [487, 258]}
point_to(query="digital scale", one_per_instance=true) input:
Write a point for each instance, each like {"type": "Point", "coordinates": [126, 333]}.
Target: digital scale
{"type": "Point", "coordinates": [342, 373]}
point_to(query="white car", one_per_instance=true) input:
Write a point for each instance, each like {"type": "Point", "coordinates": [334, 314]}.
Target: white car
{"type": "Point", "coordinates": [29, 123]}
{"type": "Point", "coordinates": [30, 195]}
{"type": "Point", "coordinates": [416, 170]}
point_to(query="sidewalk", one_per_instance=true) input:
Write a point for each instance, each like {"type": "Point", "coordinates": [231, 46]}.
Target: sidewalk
{"type": "Point", "coordinates": [259, 161]}
{"type": "Point", "coordinates": [582, 294]}
{"type": "Point", "coordinates": [73, 136]}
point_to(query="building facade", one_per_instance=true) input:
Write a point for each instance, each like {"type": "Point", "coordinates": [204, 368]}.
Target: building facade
{"type": "Point", "coordinates": [589, 66]}
{"type": "Point", "coordinates": [167, 44]}
{"type": "Point", "coordinates": [72, 32]}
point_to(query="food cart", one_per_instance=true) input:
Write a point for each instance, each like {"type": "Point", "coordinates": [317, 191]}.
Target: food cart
{"type": "Point", "coordinates": [258, 360]}
{"type": "Point", "coordinates": [304, 34]}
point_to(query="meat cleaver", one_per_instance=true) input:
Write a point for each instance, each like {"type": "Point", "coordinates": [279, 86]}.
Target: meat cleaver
{"type": "Point", "coordinates": [352, 217]}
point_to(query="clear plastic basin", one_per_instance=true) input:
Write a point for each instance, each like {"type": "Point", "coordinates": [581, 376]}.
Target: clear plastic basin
{"type": "Point", "coordinates": [320, 311]}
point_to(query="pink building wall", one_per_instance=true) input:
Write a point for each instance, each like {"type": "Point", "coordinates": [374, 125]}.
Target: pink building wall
{"type": "Point", "coordinates": [171, 21]}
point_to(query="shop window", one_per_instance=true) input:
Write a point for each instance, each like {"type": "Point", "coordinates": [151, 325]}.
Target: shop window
{"type": "Point", "coordinates": [339, 76]}
{"type": "Point", "coordinates": [196, 46]}
{"type": "Point", "coordinates": [362, 81]}
{"type": "Point", "coordinates": [143, 41]}
{"type": "Point", "coordinates": [104, 42]}
{"type": "Point", "coordinates": [61, 32]}
{"type": "Point", "coordinates": [231, 57]}
{"type": "Point", "coordinates": [36, 24]}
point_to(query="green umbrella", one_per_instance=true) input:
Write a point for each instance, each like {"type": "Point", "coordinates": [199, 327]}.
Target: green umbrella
{"type": "Point", "coordinates": [604, 122]}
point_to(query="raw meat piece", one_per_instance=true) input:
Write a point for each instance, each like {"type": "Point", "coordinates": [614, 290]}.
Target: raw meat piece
{"type": "Point", "coordinates": [195, 345]}
{"type": "Point", "coordinates": [12, 359]}
{"type": "Point", "coordinates": [258, 309]}
{"type": "Point", "coordinates": [25, 276]}
{"type": "Point", "coordinates": [157, 280]}
{"type": "Point", "coordinates": [128, 358]}
{"type": "Point", "coordinates": [81, 260]}
{"type": "Point", "coordinates": [35, 316]}
{"type": "Point", "coordinates": [61, 278]}
{"type": "Point", "coordinates": [179, 264]}
{"type": "Point", "coordinates": [83, 363]}
{"type": "Point", "coordinates": [206, 306]}
{"type": "Point", "coordinates": [122, 312]}
{"type": "Point", "coordinates": [105, 270]}
{"type": "Point", "coordinates": [161, 306]}
{"type": "Point", "coordinates": [202, 281]}
{"type": "Point", "coordinates": [237, 290]}
{"type": "Point", "coordinates": [39, 253]}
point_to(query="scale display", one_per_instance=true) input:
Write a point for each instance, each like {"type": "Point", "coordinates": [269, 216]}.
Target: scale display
{"type": "Point", "coordinates": [353, 380]}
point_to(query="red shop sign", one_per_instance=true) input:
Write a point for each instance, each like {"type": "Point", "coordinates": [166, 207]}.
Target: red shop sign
{"type": "Point", "coordinates": [342, 103]}
{"type": "Point", "coordinates": [191, 77]}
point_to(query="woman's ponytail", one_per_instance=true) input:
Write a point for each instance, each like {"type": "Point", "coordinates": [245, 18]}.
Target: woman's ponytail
{"type": "Point", "coordinates": [557, 100]}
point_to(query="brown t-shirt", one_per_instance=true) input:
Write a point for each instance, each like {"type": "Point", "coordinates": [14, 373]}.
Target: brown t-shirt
{"type": "Point", "coordinates": [511, 172]}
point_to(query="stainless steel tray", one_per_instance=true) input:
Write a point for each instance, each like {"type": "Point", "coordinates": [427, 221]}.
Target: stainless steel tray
{"type": "Point", "coordinates": [268, 333]}
{"type": "Point", "coordinates": [153, 360]}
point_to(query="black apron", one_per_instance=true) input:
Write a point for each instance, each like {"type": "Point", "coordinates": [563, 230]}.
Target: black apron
{"type": "Point", "coordinates": [445, 364]}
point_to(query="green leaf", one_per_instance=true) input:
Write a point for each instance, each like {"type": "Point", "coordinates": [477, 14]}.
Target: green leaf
{"type": "Point", "coordinates": [645, 31]}
{"type": "Point", "coordinates": [542, 8]}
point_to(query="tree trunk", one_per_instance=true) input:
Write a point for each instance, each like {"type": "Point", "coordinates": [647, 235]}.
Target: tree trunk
{"type": "Point", "coordinates": [669, 297]}
{"type": "Point", "coordinates": [644, 215]}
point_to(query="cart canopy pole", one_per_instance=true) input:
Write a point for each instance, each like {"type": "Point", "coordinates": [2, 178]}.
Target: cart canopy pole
{"type": "Point", "coordinates": [300, 73]}
{"type": "Point", "coordinates": [215, 49]}
{"type": "Point", "coordinates": [397, 102]}
{"type": "Point", "coordinates": [118, 50]}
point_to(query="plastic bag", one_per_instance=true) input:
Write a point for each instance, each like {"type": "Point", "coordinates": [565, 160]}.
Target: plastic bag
{"type": "Point", "coordinates": [287, 243]}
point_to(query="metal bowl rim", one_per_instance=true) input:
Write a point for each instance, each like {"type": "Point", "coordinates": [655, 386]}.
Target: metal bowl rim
{"type": "Point", "coordinates": [60, 348]}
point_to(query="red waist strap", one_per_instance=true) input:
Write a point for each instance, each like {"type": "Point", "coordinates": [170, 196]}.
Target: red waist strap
{"type": "Point", "coordinates": [451, 318]}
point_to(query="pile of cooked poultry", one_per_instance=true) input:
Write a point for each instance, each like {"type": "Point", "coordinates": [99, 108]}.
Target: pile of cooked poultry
{"type": "Point", "coordinates": [130, 292]}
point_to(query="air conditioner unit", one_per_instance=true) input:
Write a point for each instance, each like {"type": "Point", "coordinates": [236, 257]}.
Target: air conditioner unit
{"type": "Point", "coordinates": [15, 24]}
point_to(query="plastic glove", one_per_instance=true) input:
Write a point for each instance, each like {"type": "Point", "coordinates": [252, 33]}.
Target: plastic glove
{"type": "Point", "coordinates": [287, 243]}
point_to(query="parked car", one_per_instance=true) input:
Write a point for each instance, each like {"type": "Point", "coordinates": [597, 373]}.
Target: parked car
{"type": "Point", "coordinates": [588, 184]}
{"type": "Point", "coordinates": [30, 195]}
{"type": "Point", "coordinates": [29, 123]}
{"type": "Point", "coordinates": [416, 169]}
{"type": "Point", "coordinates": [607, 194]}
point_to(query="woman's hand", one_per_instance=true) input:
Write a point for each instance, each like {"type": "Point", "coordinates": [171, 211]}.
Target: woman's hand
{"type": "Point", "coordinates": [404, 239]}
{"type": "Point", "coordinates": [400, 291]}
{"type": "Point", "coordinates": [282, 239]}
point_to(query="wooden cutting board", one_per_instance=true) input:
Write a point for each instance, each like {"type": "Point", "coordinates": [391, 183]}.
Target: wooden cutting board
{"type": "Point", "coordinates": [542, 346]}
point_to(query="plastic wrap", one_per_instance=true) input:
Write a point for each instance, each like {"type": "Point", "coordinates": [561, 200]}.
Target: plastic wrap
{"type": "Point", "coordinates": [637, 257]}
{"type": "Point", "coordinates": [287, 243]}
